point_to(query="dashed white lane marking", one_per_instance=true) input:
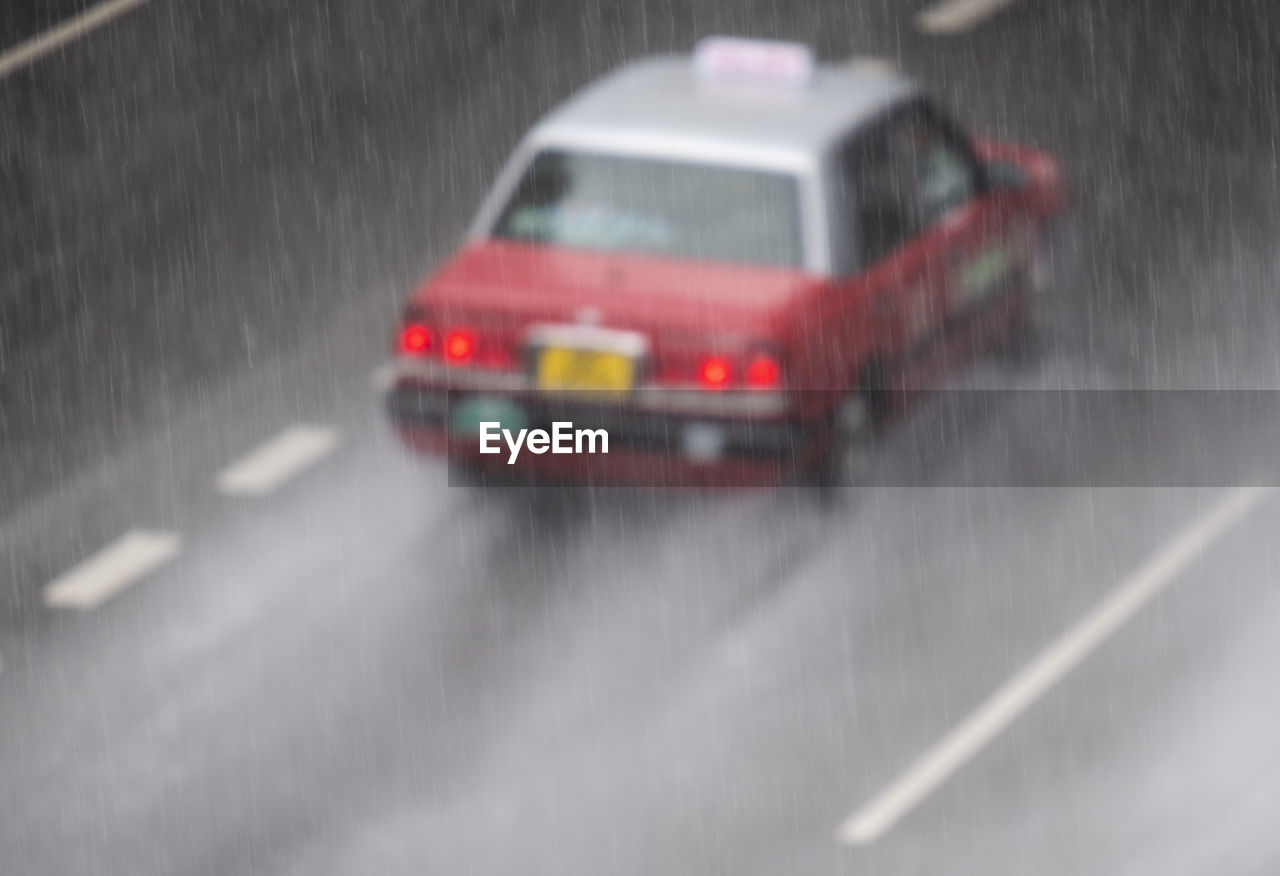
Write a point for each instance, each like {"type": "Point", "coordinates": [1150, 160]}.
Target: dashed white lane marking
{"type": "Point", "coordinates": [872, 64]}
{"type": "Point", "coordinates": [1005, 705]}
{"type": "Point", "coordinates": [267, 467]}
{"type": "Point", "coordinates": [132, 556]}
{"type": "Point", "coordinates": [957, 16]}
{"type": "Point", "coordinates": [383, 377]}
{"type": "Point", "coordinates": [91, 19]}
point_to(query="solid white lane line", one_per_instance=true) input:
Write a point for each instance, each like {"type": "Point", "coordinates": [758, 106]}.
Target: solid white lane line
{"type": "Point", "coordinates": [957, 16]}
{"type": "Point", "coordinates": [132, 556]}
{"type": "Point", "coordinates": [267, 467]}
{"type": "Point", "coordinates": [72, 29]}
{"type": "Point", "coordinates": [1005, 705]}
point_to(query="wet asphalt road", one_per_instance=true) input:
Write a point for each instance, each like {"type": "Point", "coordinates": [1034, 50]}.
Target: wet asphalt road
{"type": "Point", "coordinates": [218, 207]}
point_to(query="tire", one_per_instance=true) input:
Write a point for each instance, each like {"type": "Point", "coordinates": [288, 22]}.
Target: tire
{"type": "Point", "coordinates": [854, 426]}
{"type": "Point", "coordinates": [464, 474]}
{"type": "Point", "coordinates": [1021, 344]}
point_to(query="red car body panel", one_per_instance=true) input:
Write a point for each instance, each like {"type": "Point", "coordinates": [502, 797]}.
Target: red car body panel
{"type": "Point", "coordinates": [687, 309]}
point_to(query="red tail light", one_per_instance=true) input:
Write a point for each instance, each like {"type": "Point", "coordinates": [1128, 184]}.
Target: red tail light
{"type": "Point", "coordinates": [459, 346]}
{"type": "Point", "coordinates": [415, 339]}
{"type": "Point", "coordinates": [715, 372]}
{"type": "Point", "coordinates": [763, 371]}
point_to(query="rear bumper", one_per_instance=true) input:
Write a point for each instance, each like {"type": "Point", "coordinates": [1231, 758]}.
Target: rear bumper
{"type": "Point", "coordinates": [649, 443]}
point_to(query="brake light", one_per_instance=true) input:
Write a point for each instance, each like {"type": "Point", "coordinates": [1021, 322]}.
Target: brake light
{"type": "Point", "coordinates": [763, 372]}
{"type": "Point", "coordinates": [715, 372]}
{"type": "Point", "coordinates": [459, 346]}
{"type": "Point", "coordinates": [415, 339]}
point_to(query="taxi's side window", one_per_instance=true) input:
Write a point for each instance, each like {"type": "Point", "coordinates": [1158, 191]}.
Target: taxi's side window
{"type": "Point", "coordinates": [878, 193]}
{"type": "Point", "coordinates": [898, 178]}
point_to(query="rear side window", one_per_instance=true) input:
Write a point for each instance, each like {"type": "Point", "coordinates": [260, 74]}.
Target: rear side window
{"type": "Point", "coordinates": [900, 178]}
{"type": "Point", "coordinates": [615, 203]}
{"type": "Point", "coordinates": [879, 189]}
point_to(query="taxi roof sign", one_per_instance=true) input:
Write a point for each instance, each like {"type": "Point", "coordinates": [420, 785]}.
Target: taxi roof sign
{"type": "Point", "coordinates": [730, 59]}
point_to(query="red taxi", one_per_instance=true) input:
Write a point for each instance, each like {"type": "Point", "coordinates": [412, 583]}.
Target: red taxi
{"type": "Point", "coordinates": [730, 262]}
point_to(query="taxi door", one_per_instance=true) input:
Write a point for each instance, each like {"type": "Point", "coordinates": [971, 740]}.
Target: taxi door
{"type": "Point", "coordinates": [889, 291]}
{"type": "Point", "coordinates": [965, 225]}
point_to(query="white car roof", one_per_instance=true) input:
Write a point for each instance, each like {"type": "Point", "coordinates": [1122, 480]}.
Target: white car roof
{"type": "Point", "coordinates": [661, 106]}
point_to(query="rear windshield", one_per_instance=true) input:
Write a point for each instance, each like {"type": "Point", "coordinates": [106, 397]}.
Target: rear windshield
{"type": "Point", "coordinates": [670, 208]}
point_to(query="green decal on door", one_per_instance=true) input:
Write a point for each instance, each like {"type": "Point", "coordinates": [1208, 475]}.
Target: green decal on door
{"type": "Point", "coordinates": [984, 274]}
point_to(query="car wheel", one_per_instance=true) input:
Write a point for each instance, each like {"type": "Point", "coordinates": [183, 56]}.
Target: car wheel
{"type": "Point", "coordinates": [466, 473]}
{"type": "Point", "coordinates": [1021, 343]}
{"type": "Point", "coordinates": [849, 458]}
{"type": "Point", "coordinates": [854, 427]}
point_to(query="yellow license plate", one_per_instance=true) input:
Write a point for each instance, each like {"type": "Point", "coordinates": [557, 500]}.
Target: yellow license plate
{"type": "Point", "coordinates": [561, 369]}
